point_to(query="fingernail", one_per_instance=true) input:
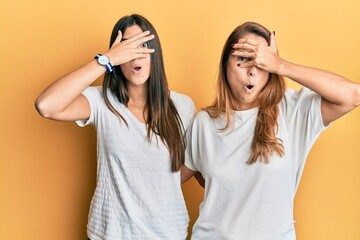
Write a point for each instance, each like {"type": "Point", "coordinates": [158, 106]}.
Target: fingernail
{"type": "Point", "coordinates": [274, 33]}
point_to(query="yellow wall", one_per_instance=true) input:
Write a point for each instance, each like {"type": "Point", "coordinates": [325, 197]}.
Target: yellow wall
{"type": "Point", "coordinates": [48, 169]}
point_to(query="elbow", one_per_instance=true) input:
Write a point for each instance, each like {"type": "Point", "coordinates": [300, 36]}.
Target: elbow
{"type": "Point", "coordinates": [353, 99]}
{"type": "Point", "coordinates": [41, 108]}
{"type": "Point", "coordinates": [357, 95]}
{"type": "Point", "coordinates": [351, 96]}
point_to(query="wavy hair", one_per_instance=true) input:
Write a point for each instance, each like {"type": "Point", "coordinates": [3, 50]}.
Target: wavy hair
{"type": "Point", "coordinates": [162, 116]}
{"type": "Point", "coordinates": [264, 142]}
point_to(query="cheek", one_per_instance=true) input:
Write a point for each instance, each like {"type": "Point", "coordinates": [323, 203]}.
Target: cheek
{"type": "Point", "coordinates": [233, 81]}
{"type": "Point", "coordinates": [265, 77]}
{"type": "Point", "coordinates": [125, 67]}
{"type": "Point", "coordinates": [126, 70]}
{"type": "Point", "coordinates": [147, 63]}
{"type": "Point", "coordinates": [147, 67]}
{"type": "Point", "coordinates": [235, 73]}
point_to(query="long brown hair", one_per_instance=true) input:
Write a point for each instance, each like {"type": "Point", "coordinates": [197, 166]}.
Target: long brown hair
{"type": "Point", "coordinates": [264, 142]}
{"type": "Point", "coordinates": [162, 116]}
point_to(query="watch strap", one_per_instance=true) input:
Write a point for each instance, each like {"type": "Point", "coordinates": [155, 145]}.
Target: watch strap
{"type": "Point", "coordinates": [109, 68]}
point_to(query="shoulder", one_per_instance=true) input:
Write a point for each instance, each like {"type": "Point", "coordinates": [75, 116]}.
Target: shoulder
{"type": "Point", "coordinates": [202, 118]}
{"type": "Point", "coordinates": [291, 94]}
{"type": "Point", "coordinates": [302, 96]}
{"type": "Point", "coordinates": [183, 103]}
{"type": "Point", "coordinates": [202, 115]}
{"type": "Point", "coordinates": [185, 107]}
{"type": "Point", "coordinates": [93, 90]}
{"type": "Point", "coordinates": [180, 99]}
{"type": "Point", "coordinates": [301, 105]}
{"type": "Point", "coordinates": [97, 93]}
{"type": "Point", "coordinates": [93, 94]}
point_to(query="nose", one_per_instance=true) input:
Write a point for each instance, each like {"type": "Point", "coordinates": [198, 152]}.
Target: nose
{"type": "Point", "coordinates": [252, 71]}
{"type": "Point", "coordinates": [135, 60]}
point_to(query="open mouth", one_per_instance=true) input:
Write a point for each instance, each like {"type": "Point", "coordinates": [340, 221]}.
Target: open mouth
{"type": "Point", "coordinates": [250, 86]}
{"type": "Point", "coordinates": [138, 68]}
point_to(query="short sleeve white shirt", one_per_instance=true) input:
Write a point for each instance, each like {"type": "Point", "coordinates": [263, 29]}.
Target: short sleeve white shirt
{"type": "Point", "coordinates": [252, 202]}
{"type": "Point", "coordinates": [137, 196]}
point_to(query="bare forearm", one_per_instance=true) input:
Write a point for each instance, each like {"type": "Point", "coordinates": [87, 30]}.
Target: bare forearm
{"type": "Point", "coordinates": [60, 94]}
{"type": "Point", "coordinates": [334, 88]}
{"type": "Point", "coordinates": [339, 95]}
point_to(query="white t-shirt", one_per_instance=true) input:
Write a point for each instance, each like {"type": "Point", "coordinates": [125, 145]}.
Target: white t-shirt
{"type": "Point", "coordinates": [252, 202]}
{"type": "Point", "coordinates": [137, 196]}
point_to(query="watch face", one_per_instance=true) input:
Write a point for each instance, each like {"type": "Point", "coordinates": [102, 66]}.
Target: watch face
{"type": "Point", "coordinates": [103, 60]}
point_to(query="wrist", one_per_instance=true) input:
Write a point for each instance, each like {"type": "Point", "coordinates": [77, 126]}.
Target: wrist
{"type": "Point", "coordinates": [280, 67]}
{"type": "Point", "coordinates": [104, 61]}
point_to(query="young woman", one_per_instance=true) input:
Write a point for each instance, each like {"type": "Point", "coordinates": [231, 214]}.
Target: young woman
{"type": "Point", "coordinates": [250, 145]}
{"type": "Point", "coordinates": [140, 128]}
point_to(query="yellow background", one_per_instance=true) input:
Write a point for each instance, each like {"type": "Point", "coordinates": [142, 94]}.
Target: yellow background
{"type": "Point", "coordinates": [48, 169]}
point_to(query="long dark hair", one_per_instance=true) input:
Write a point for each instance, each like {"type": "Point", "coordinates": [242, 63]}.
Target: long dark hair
{"type": "Point", "coordinates": [162, 116]}
{"type": "Point", "coordinates": [265, 142]}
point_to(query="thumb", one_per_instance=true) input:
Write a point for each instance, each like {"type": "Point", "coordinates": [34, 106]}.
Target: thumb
{"type": "Point", "coordinates": [119, 37]}
{"type": "Point", "coordinates": [273, 42]}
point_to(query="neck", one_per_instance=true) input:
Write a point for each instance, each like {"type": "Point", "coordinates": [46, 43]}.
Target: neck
{"type": "Point", "coordinates": [241, 106]}
{"type": "Point", "coordinates": [138, 96]}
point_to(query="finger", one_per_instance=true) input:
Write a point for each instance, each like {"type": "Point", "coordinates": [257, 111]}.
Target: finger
{"type": "Point", "coordinates": [144, 50]}
{"type": "Point", "coordinates": [142, 40]}
{"type": "Point", "coordinates": [248, 41]}
{"type": "Point", "coordinates": [118, 37]}
{"type": "Point", "coordinates": [247, 64]}
{"type": "Point", "coordinates": [245, 54]}
{"type": "Point", "coordinates": [245, 46]}
{"type": "Point", "coordinates": [138, 36]}
{"type": "Point", "coordinates": [141, 55]}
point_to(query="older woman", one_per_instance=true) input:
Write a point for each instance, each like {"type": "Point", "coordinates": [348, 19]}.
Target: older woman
{"type": "Point", "coordinates": [251, 144]}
